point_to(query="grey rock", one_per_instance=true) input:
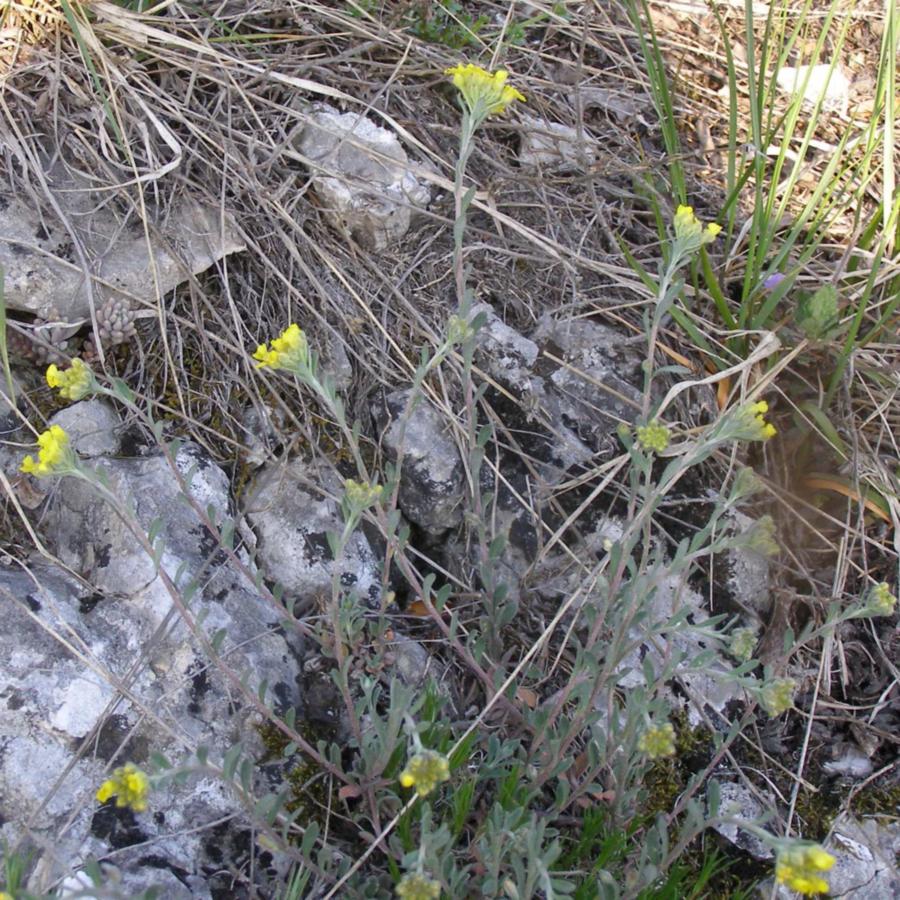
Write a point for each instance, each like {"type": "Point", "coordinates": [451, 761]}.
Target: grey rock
{"type": "Point", "coordinates": [553, 145]}
{"type": "Point", "coordinates": [618, 103]}
{"type": "Point", "coordinates": [598, 386]}
{"type": "Point", "coordinates": [261, 427]}
{"type": "Point", "coordinates": [737, 801]}
{"type": "Point", "coordinates": [88, 535]}
{"type": "Point", "coordinates": [506, 355]}
{"type": "Point", "coordinates": [362, 176]}
{"type": "Point", "coordinates": [412, 661]}
{"type": "Point", "coordinates": [91, 426]}
{"type": "Point", "coordinates": [824, 83]}
{"type": "Point", "coordinates": [512, 360]}
{"type": "Point", "coordinates": [133, 883]}
{"type": "Point", "coordinates": [431, 477]}
{"type": "Point", "coordinates": [291, 521]}
{"type": "Point", "coordinates": [849, 762]}
{"type": "Point", "coordinates": [746, 573]}
{"type": "Point", "coordinates": [707, 684]}
{"type": "Point", "coordinates": [89, 681]}
{"type": "Point", "coordinates": [867, 852]}
{"type": "Point", "coordinates": [44, 276]}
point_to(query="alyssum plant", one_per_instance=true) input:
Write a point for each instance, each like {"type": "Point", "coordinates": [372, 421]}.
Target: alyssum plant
{"type": "Point", "coordinates": [432, 806]}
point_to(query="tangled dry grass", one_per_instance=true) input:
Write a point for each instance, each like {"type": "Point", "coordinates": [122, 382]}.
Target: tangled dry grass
{"type": "Point", "coordinates": [205, 101]}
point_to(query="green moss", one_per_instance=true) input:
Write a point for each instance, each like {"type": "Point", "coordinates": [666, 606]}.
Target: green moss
{"type": "Point", "coordinates": [817, 811]}
{"type": "Point", "coordinates": [725, 871]}
{"type": "Point", "coordinates": [877, 799]}
{"type": "Point", "coordinates": [312, 792]}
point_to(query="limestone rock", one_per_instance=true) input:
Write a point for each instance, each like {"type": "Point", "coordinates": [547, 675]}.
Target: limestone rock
{"type": "Point", "coordinates": [867, 853]}
{"type": "Point", "coordinates": [88, 681]}
{"type": "Point", "coordinates": [737, 801]}
{"type": "Point", "coordinates": [552, 145]}
{"type": "Point", "coordinates": [431, 479]}
{"type": "Point", "coordinates": [536, 415]}
{"type": "Point", "coordinates": [91, 426]}
{"type": "Point", "coordinates": [88, 535]}
{"type": "Point", "coordinates": [45, 276]}
{"type": "Point", "coordinates": [361, 175]}
{"type": "Point", "coordinates": [683, 645]}
{"type": "Point", "coordinates": [599, 386]}
{"type": "Point", "coordinates": [820, 83]}
{"type": "Point", "coordinates": [292, 521]}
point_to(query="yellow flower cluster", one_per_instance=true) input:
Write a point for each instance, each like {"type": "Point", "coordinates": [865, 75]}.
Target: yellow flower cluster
{"type": "Point", "coordinates": [777, 695]}
{"type": "Point", "coordinates": [751, 424]}
{"type": "Point", "coordinates": [743, 643]}
{"type": "Point", "coordinates": [881, 600]}
{"type": "Point", "coordinates": [689, 230]}
{"type": "Point", "coordinates": [74, 384]}
{"type": "Point", "coordinates": [5, 896]}
{"type": "Point", "coordinates": [653, 437]}
{"type": "Point", "coordinates": [361, 496]}
{"type": "Point", "coordinates": [129, 785]}
{"type": "Point", "coordinates": [416, 886]}
{"type": "Point", "coordinates": [55, 456]}
{"type": "Point", "coordinates": [658, 741]}
{"type": "Point", "coordinates": [484, 93]}
{"type": "Point", "coordinates": [425, 771]}
{"type": "Point", "coordinates": [746, 484]}
{"type": "Point", "coordinates": [800, 868]}
{"type": "Point", "coordinates": [762, 537]}
{"type": "Point", "coordinates": [459, 330]}
{"type": "Point", "coordinates": [289, 351]}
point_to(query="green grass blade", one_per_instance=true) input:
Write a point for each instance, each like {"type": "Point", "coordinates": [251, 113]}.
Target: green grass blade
{"type": "Point", "coordinates": [660, 93]}
{"type": "Point", "coordinates": [4, 349]}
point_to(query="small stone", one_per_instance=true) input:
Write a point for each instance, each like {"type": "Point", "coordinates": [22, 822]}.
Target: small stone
{"type": "Point", "coordinates": [292, 520]}
{"type": "Point", "coordinates": [45, 277]}
{"type": "Point", "coordinates": [431, 478]}
{"type": "Point", "coordinates": [851, 763]}
{"type": "Point", "coordinates": [411, 661]}
{"type": "Point", "coordinates": [825, 82]}
{"type": "Point", "coordinates": [91, 426]}
{"type": "Point", "coordinates": [553, 145]}
{"type": "Point", "coordinates": [737, 801]}
{"type": "Point", "coordinates": [361, 175]}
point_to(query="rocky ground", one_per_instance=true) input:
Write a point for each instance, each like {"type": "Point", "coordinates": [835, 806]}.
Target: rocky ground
{"type": "Point", "coordinates": [312, 182]}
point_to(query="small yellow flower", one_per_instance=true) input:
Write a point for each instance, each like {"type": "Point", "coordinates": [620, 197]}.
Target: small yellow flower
{"type": "Point", "coordinates": [750, 424]}
{"type": "Point", "coordinates": [129, 785]}
{"type": "Point", "coordinates": [881, 600]}
{"type": "Point", "coordinates": [653, 437]}
{"type": "Point", "coordinates": [746, 484]}
{"type": "Point", "coordinates": [5, 896]}
{"type": "Point", "coordinates": [777, 695]}
{"type": "Point", "coordinates": [800, 867]}
{"type": "Point", "coordinates": [658, 740]}
{"type": "Point", "coordinates": [425, 771]}
{"type": "Point", "coordinates": [74, 384]}
{"type": "Point", "coordinates": [289, 351]}
{"type": "Point", "coordinates": [360, 497]}
{"type": "Point", "coordinates": [55, 456]}
{"type": "Point", "coordinates": [689, 230]}
{"type": "Point", "coordinates": [417, 886]}
{"type": "Point", "coordinates": [459, 330]}
{"type": "Point", "coordinates": [761, 537]}
{"type": "Point", "coordinates": [743, 643]}
{"type": "Point", "coordinates": [485, 93]}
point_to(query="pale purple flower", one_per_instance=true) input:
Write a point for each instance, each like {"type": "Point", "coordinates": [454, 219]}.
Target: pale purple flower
{"type": "Point", "coordinates": [773, 281]}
